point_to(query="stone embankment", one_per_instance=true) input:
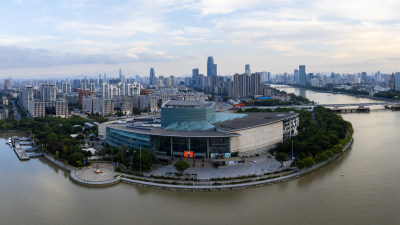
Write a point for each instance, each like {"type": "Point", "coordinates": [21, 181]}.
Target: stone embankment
{"type": "Point", "coordinates": [182, 185]}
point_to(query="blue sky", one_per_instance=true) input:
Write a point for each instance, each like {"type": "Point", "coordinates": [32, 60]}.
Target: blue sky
{"type": "Point", "coordinates": [60, 38]}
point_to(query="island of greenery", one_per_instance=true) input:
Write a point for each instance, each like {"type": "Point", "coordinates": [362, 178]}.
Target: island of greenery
{"type": "Point", "coordinates": [322, 134]}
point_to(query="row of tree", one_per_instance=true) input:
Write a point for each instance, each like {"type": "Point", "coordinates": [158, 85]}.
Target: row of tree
{"type": "Point", "coordinates": [320, 136]}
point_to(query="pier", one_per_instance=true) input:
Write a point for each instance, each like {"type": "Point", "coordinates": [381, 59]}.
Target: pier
{"type": "Point", "coordinates": [27, 153]}
{"type": "Point", "coordinates": [21, 153]}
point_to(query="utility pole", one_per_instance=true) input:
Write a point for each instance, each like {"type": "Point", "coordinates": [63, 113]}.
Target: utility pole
{"type": "Point", "coordinates": [292, 151]}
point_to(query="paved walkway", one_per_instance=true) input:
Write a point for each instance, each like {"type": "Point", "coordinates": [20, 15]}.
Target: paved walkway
{"type": "Point", "coordinates": [256, 165]}
{"type": "Point", "coordinates": [88, 173]}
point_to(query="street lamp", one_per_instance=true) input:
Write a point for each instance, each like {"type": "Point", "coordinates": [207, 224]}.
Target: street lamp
{"type": "Point", "coordinates": [292, 151]}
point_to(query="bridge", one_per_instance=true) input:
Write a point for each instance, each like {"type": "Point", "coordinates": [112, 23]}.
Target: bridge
{"type": "Point", "coordinates": [310, 106]}
{"type": "Point", "coordinates": [357, 104]}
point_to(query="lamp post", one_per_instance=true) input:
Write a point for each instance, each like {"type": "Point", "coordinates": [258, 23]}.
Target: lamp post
{"type": "Point", "coordinates": [292, 151]}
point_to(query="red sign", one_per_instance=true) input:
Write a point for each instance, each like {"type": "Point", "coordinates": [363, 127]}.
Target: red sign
{"type": "Point", "coordinates": [188, 154]}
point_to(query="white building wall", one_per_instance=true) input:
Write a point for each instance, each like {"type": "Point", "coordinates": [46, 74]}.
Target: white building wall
{"type": "Point", "coordinates": [257, 138]}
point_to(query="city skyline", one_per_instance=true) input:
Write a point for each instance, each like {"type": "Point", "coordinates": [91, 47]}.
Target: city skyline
{"type": "Point", "coordinates": [67, 38]}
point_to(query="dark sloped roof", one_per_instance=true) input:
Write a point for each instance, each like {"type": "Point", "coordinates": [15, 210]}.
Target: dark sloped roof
{"type": "Point", "coordinates": [253, 120]}
{"type": "Point", "coordinates": [158, 131]}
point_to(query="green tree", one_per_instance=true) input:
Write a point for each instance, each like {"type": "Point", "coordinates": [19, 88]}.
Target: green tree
{"type": "Point", "coordinates": [75, 158]}
{"type": "Point", "coordinates": [306, 162]}
{"type": "Point", "coordinates": [181, 166]}
{"type": "Point", "coordinates": [281, 157]}
{"type": "Point", "coordinates": [146, 158]}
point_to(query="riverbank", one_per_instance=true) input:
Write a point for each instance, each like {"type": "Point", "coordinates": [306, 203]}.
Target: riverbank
{"type": "Point", "coordinates": [111, 178]}
{"type": "Point", "coordinates": [342, 93]}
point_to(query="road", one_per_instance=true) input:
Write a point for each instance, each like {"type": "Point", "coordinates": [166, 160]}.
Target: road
{"type": "Point", "coordinates": [17, 114]}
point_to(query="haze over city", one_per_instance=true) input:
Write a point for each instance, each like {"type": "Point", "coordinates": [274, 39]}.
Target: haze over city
{"type": "Point", "coordinates": [69, 38]}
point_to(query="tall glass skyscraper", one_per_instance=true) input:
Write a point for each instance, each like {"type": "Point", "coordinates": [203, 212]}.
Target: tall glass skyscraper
{"type": "Point", "coordinates": [302, 74]}
{"type": "Point", "coordinates": [247, 69]}
{"type": "Point", "coordinates": [195, 77]}
{"type": "Point", "coordinates": [211, 67]}
{"type": "Point", "coordinates": [152, 76]}
{"type": "Point", "coordinates": [296, 76]}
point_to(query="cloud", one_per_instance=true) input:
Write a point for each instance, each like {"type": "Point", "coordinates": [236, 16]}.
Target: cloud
{"type": "Point", "coordinates": [14, 57]}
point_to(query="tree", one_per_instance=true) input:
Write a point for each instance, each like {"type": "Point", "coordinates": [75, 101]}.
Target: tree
{"type": "Point", "coordinates": [75, 158]}
{"type": "Point", "coordinates": [146, 158]}
{"type": "Point", "coordinates": [120, 113]}
{"type": "Point", "coordinates": [281, 157]}
{"type": "Point", "coordinates": [181, 166]}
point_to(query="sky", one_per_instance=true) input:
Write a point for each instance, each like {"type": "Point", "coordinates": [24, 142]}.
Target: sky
{"type": "Point", "coordinates": [62, 38]}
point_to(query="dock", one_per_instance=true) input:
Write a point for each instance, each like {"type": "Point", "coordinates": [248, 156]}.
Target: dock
{"type": "Point", "coordinates": [33, 155]}
{"type": "Point", "coordinates": [27, 153]}
{"type": "Point", "coordinates": [21, 153]}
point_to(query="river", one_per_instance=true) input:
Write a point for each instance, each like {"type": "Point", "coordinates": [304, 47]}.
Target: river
{"type": "Point", "coordinates": [35, 192]}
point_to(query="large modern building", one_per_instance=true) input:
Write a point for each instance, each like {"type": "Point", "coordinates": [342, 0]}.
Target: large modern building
{"type": "Point", "coordinates": [397, 81]}
{"type": "Point", "coordinates": [194, 128]}
{"type": "Point", "coordinates": [152, 80]}
{"type": "Point", "coordinates": [247, 69]}
{"type": "Point", "coordinates": [302, 75]}
{"type": "Point", "coordinates": [211, 67]}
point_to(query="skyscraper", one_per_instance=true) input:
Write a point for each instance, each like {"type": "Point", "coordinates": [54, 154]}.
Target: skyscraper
{"type": "Point", "coordinates": [364, 77]}
{"type": "Point", "coordinates": [152, 76]}
{"type": "Point", "coordinates": [105, 90]}
{"type": "Point", "coordinates": [121, 77]}
{"type": "Point", "coordinates": [247, 69]}
{"type": "Point", "coordinates": [397, 81]}
{"type": "Point", "coordinates": [7, 84]}
{"type": "Point", "coordinates": [195, 77]}
{"type": "Point", "coordinates": [241, 85]}
{"type": "Point", "coordinates": [255, 83]}
{"type": "Point", "coordinates": [66, 87]}
{"type": "Point", "coordinates": [211, 67]}
{"type": "Point", "coordinates": [302, 75]}
{"type": "Point", "coordinates": [92, 87]}
{"type": "Point", "coordinates": [296, 76]}
{"type": "Point", "coordinates": [48, 93]}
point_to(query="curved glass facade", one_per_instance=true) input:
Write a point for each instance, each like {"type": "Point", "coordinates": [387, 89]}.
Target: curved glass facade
{"type": "Point", "coordinates": [118, 138]}
{"type": "Point", "coordinates": [172, 115]}
{"type": "Point", "coordinates": [173, 146]}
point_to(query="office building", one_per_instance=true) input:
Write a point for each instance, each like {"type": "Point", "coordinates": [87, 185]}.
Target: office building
{"type": "Point", "coordinates": [247, 69]}
{"type": "Point", "coordinates": [211, 67]}
{"type": "Point", "coordinates": [195, 77]}
{"type": "Point", "coordinates": [296, 76]}
{"type": "Point", "coordinates": [7, 84]}
{"type": "Point", "coordinates": [397, 81]}
{"type": "Point", "coordinates": [48, 93]}
{"type": "Point", "coordinates": [302, 75]}
{"type": "Point", "coordinates": [66, 87]}
{"type": "Point", "coordinates": [152, 80]}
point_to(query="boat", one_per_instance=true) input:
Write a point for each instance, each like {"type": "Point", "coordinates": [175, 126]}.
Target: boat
{"type": "Point", "coordinates": [8, 141]}
{"type": "Point", "coordinates": [395, 107]}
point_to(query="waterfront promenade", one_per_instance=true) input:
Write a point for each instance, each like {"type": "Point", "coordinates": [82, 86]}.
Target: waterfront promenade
{"type": "Point", "coordinates": [87, 176]}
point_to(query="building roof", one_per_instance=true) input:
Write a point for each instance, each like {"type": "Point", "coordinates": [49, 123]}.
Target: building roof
{"type": "Point", "coordinates": [253, 120]}
{"type": "Point", "coordinates": [187, 104]}
{"type": "Point", "coordinates": [158, 131]}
